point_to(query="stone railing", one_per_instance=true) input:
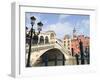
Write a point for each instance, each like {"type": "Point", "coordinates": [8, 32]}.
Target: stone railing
{"type": "Point", "coordinates": [62, 47]}
{"type": "Point", "coordinates": [39, 47]}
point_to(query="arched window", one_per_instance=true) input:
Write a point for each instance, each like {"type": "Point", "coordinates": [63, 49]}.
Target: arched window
{"type": "Point", "coordinates": [41, 40]}
{"type": "Point", "coordinates": [52, 36]}
{"type": "Point", "coordinates": [46, 40]}
{"type": "Point", "coordinates": [35, 39]}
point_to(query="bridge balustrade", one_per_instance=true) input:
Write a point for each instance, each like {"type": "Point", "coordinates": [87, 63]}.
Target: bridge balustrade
{"type": "Point", "coordinates": [39, 47]}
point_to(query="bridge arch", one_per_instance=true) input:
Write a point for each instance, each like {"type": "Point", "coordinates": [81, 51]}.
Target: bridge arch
{"type": "Point", "coordinates": [46, 48]}
{"type": "Point", "coordinates": [49, 55]}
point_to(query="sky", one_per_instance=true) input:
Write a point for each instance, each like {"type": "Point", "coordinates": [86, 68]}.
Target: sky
{"type": "Point", "coordinates": [61, 24]}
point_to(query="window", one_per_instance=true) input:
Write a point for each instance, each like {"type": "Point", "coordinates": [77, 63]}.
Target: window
{"type": "Point", "coordinates": [41, 40]}
{"type": "Point", "coordinates": [52, 36]}
{"type": "Point", "coordinates": [46, 40]}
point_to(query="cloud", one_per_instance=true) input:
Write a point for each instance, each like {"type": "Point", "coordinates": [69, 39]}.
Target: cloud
{"type": "Point", "coordinates": [61, 29]}
{"type": "Point", "coordinates": [83, 27]}
{"type": "Point", "coordinates": [38, 19]}
{"type": "Point", "coordinates": [63, 16]}
{"type": "Point", "coordinates": [61, 24]}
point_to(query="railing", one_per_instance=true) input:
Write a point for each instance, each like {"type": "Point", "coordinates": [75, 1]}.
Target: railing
{"type": "Point", "coordinates": [39, 47]}
{"type": "Point", "coordinates": [60, 44]}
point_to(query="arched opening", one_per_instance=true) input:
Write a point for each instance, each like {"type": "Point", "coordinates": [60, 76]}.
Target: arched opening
{"type": "Point", "coordinates": [35, 39]}
{"type": "Point", "coordinates": [53, 57]}
{"type": "Point", "coordinates": [46, 40]}
{"type": "Point", "coordinates": [41, 40]}
{"type": "Point", "coordinates": [52, 36]}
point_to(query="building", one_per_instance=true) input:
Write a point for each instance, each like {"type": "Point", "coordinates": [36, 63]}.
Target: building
{"type": "Point", "coordinates": [72, 43]}
{"type": "Point", "coordinates": [75, 43]}
{"type": "Point", "coordinates": [67, 43]}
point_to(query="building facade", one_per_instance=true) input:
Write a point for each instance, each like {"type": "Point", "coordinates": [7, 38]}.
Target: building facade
{"type": "Point", "coordinates": [72, 43]}
{"type": "Point", "coordinates": [67, 43]}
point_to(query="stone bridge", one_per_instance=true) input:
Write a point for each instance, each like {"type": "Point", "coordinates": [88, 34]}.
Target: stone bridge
{"type": "Point", "coordinates": [38, 50]}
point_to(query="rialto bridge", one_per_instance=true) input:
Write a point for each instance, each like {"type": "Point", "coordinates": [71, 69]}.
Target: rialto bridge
{"type": "Point", "coordinates": [49, 49]}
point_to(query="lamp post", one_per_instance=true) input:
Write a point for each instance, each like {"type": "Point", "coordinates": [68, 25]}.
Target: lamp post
{"type": "Point", "coordinates": [30, 41]}
{"type": "Point", "coordinates": [40, 24]}
{"type": "Point", "coordinates": [81, 52]}
{"type": "Point", "coordinates": [35, 37]}
{"type": "Point", "coordinates": [87, 55]}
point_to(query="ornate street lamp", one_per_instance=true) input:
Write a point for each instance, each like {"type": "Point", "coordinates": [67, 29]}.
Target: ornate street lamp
{"type": "Point", "coordinates": [40, 25]}
{"type": "Point", "coordinates": [30, 41]}
{"type": "Point", "coordinates": [35, 37]}
{"type": "Point", "coordinates": [33, 19]}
